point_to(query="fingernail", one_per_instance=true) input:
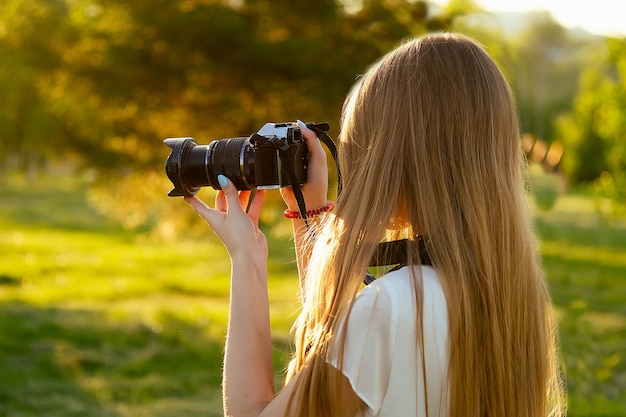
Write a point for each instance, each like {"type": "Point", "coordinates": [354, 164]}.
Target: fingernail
{"type": "Point", "coordinates": [301, 124]}
{"type": "Point", "coordinates": [222, 180]}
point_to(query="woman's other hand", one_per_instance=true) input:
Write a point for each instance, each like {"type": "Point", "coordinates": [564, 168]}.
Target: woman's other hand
{"type": "Point", "coordinates": [315, 190]}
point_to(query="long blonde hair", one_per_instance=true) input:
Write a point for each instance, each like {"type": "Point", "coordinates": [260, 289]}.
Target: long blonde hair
{"type": "Point", "coordinates": [432, 127]}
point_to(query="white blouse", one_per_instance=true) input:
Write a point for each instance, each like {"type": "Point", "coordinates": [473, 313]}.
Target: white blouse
{"type": "Point", "coordinates": [382, 358]}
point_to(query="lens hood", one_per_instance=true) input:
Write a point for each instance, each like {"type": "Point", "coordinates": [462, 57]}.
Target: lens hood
{"type": "Point", "coordinates": [181, 147]}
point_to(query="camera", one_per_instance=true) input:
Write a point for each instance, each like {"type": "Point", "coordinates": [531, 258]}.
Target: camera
{"type": "Point", "coordinates": [274, 157]}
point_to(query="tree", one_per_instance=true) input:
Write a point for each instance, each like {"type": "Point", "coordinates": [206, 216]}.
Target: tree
{"type": "Point", "coordinates": [29, 56]}
{"type": "Point", "coordinates": [595, 131]}
{"type": "Point", "coordinates": [119, 76]}
{"type": "Point", "coordinates": [541, 61]}
{"type": "Point", "coordinates": [544, 72]}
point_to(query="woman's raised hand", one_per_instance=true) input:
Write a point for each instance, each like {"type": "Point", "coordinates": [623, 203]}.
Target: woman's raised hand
{"type": "Point", "coordinates": [238, 229]}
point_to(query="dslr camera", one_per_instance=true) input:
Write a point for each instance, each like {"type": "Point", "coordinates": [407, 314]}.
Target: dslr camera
{"type": "Point", "coordinates": [274, 157]}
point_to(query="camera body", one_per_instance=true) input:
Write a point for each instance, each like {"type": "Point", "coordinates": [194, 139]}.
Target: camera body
{"type": "Point", "coordinates": [255, 162]}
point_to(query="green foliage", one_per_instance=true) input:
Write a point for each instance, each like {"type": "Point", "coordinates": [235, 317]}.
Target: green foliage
{"type": "Point", "coordinates": [570, 91]}
{"type": "Point", "coordinates": [103, 82]}
{"type": "Point", "coordinates": [542, 63]}
{"type": "Point", "coordinates": [28, 55]}
{"type": "Point", "coordinates": [118, 76]}
{"type": "Point", "coordinates": [586, 156]}
{"type": "Point", "coordinates": [595, 130]}
{"type": "Point", "coordinates": [546, 64]}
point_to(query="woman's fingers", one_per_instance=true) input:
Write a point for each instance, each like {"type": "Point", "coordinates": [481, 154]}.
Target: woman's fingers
{"type": "Point", "coordinates": [226, 198]}
{"type": "Point", "coordinates": [316, 152]}
{"type": "Point", "coordinates": [238, 230]}
{"type": "Point", "coordinates": [244, 198]}
{"type": "Point", "coordinates": [203, 210]}
{"type": "Point", "coordinates": [220, 201]}
{"type": "Point", "coordinates": [233, 197]}
{"type": "Point", "coordinates": [255, 207]}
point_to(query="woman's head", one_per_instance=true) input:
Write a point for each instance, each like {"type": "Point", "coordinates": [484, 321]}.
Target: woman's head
{"type": "Point", "coordinates": [432, 120]}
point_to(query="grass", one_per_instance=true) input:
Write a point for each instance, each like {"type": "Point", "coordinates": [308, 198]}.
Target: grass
{"type": "Point", "coordinates": [96, 320]}
{"type": "Point", "coordinates": [585, 260]}
{"type": "Point", "coordinates": [100, 321]}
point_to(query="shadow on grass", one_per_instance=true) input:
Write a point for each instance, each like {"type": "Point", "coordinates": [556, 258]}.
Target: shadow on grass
{"type": "Point", "coordinates": [60, 362]}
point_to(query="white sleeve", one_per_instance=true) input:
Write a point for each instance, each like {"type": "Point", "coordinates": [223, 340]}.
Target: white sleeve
{"type": "Point", "coordinates": [370, 338]}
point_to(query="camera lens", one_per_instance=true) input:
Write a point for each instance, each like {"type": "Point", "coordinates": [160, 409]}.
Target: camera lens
{"type": "Point", "coordinates": [232, 158]}
{"type": "Point", "coordinates": [191, 166]}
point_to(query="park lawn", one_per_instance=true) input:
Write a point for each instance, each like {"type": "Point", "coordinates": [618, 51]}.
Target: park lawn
{"type": "Point", "coordinates": [585, 261]}
{"type": "Point", "coordinates": [96, 320]}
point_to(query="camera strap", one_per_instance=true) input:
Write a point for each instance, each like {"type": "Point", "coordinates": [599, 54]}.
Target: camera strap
{"type": "Point", "coordinates": [320, 129]}
{"type": "Point", "coordinates": [395, 253]}
{"type": "Point", "coordinates": [286, 159]}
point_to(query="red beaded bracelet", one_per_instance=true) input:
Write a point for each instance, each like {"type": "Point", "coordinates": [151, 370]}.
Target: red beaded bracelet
{"type": "Point", "coordinates": [310, 213]}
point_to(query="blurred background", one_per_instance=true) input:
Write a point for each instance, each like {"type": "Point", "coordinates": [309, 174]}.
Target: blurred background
{"type": "Point", "coordinates": [113, 296]}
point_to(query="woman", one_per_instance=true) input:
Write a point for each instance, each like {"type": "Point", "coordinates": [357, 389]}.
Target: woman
{"type": "Point", "coordinates": [429, 150]}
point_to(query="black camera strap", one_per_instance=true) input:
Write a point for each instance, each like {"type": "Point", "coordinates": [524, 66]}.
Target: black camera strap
{"type": "Point", "coordinates": [286, 159]}
{"type": "Point", "coordinates": [395, 252]}
{"type": "Point", "coordinates": [320, 129]}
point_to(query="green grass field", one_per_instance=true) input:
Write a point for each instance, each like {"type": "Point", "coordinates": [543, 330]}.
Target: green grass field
{"type": "Point", "coordinates": [96, 320]}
